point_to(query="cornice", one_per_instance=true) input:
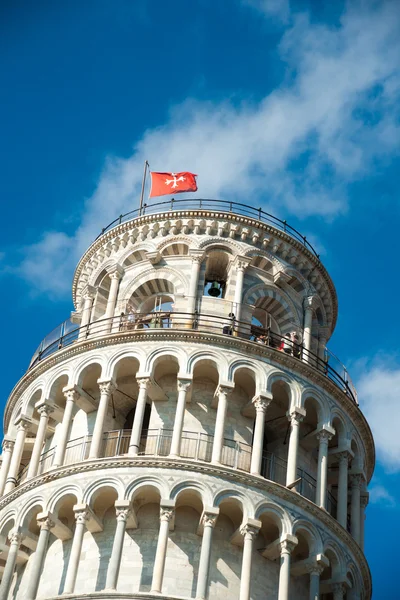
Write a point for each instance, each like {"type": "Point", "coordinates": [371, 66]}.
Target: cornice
{"type": "Point", "coordinates": [219, 471]}
{"type": "Point", "coordinates": [193, 336]}
{"type": "Point", "coordinates": [125, 227]}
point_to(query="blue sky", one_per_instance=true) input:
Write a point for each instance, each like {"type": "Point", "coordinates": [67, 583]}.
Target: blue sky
{"type": "Point", "coordinates": [292, 106]}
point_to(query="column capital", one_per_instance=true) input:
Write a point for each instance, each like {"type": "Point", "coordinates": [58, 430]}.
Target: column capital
{"type": "Point", "coordinates": [338, 588]}
{"type": "Point", "coordinates": [324, 435]}
{"type": "Point", "coordinates": [196, 255]}
{"type": "Point", "coordinates": [89, 292]}
{"type": "Point", "coordinates": [241, 262]}
{"type": "Point", "coordinates": [310, 302]}
{"type": "Point", "coordinates": [343, 457]}
{"type": "Point", "coordinates": [183, 384]}
{"type": "Point", "coordinates": [296, 415]}
{"type": "Point", "coordinates": [45, 407]}
{"type": "Point", "coordinates": [356, 480]}
{"type": "Point", "coordinates": [115, 271]}
{"type": "Point", "coordinates": [7, 444]}
{"type": "Point", "coordinates": [364, 499]}
{"type": "Point", "coordinates": [16, 536]}
{"type": "Point", "coordinates": [82, 515]}
{"type": "Point", "coordinates": [106, 386]}
{"type": "Point", "coordinates": [23, 423]}
{"type": "Point", "coordinates": [209, 519]}
{"type": "Point", "coordinates": [45, 522]}
{"type": "Point", "coordinates": [167, 513]}
{"type": "Point", "coordinates": [71, 392]}
{"type": "Point", "coordinates": [224, 389]}
{"type": "Point", "coordinates": [288, 543]}
{"type": "Point", "coordinates": [143, 382]}
{"type": "Point", "coordinates": [250, 529]}
{"type": "Point", "coordinates": [261, 402]}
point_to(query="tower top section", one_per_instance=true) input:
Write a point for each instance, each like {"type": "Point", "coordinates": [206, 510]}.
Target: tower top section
{"type": "Point", "coordinates": [176, 227]}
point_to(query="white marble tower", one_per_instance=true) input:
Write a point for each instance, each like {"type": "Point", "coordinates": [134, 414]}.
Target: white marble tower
{"type": "Point", "coordinates": [186, 433]}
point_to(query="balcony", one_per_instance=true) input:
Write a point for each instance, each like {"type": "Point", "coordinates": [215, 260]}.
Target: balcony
{"type": "Point", "coordinates": [69, 333]}
{"type": "Point", "coordinates": [195, 446]}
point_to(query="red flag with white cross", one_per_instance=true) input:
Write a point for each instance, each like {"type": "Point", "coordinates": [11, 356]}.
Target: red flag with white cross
{"type": "Point", "coordinates": [172, 183]}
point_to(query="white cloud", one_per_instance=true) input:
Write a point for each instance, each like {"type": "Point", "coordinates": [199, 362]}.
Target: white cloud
{"type": "Point", "coordinates": [380, 495]}
{"type": "Point", "coordinates": [334, 115]}
{"type": "Point", "coordinates": [379, 392]}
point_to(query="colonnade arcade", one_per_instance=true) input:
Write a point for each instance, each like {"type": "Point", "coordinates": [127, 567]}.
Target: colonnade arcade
{"type": "Point", "coordinates": [217, 541]}
{"type": "Point", "coordinates": [243, 414]}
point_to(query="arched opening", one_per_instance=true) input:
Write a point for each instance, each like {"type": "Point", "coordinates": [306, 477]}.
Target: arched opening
{"type": "Point", "coordinates": [329, 574]}
{"type": "Point", "coordinates": [143, 541]}
{"type": "Point", "coordinates": [276, 433]}
{"type": "Point", "coordinates": [216, 272]}
{"type": "Point", "coordinates": [165, 371]}
{"type": "Point", "coordinates": [151, 305]}
{"type": "Point", "coordinates": [103, 284]}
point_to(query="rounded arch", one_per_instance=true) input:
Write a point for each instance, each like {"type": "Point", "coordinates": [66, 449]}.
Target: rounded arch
{"type": "Point", "coordinates": [340, 427]}
{"type": "Point", "coordinates": [254, 371]}
{"type": "Point", "coordinates": [320, 403]}
{"type": "Point", "coordinates": [336, 559]}
{"type": "Point", "coordinates": [114, 361]}
{"type": "Point", "coordinates": [186, 240]}
{"type": "Point", "coordinates": [92, 491]}
{"type": "Point", "coordinates": [219, 361]}
{"type": "Point", "coordinates": [276, 302]}
{"type": "Point", "coordinates": [174, 281]}
{"type": "Point", "coordinates": [64, 491]}
{"type": "Point", "coordinates": [81, 367]}
{"type": "Point", "coordinates": [311, 533]}
{"type": "Point", "coordinates": [218, 243]}
{"type": "Point", "coordinates": [8, 521]}
{"type": "Point", "coordinates": [63, 372]}
{"type": "Point", "coordinates": [237, 497]}
{"type": "Point", "coordinates": [277, 513]}
{"type": "Point", "coordinates": [140, 248]}
{"type": "Point", "coordinates": [292, 386]}
{"type": "Point", "coordinates": [34, 505]}
{"type": "Point", "coordinates": [202, 489]}
{"type": "Point", "coordinates": [158, 483]}
{"type": "Point", "coordinates": [163, 353]}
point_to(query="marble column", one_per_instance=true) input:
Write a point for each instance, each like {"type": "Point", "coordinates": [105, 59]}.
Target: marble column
{"type": "Point", "coordinates": [106, 389]}
{"type": "Point", "coordinates": [7, 447]}
{"type": "Point", "coordinates": [166, 514]}
{"type": "Point", "coordinates": [88, 297]}
{"type": "Point", "coordinates": [261, 403]}
{"type": "Point", "coordinates": [218, 444]}
{"type": "Point", "coordinates": [197, 258]}
{"type": "Point", "coordinates": [355, 506]}
{"type": "Point", "coordinates": [240, 264]}
{"type": "Point", "coordinates": [343, 488]}
{"type": "Point", "coordinates": [249, 533]}
{"type": "Point", "coordinates": [315, 573]}
{"type": "Point", "coordinates": [183, 388]}
{"type": "Point", "coordinates": [323, 437]}
{"type": "Point", "coordinates": [295, 417]}
{"type": "Point", "coordinates": [287, 547]}
{"type": "Point", "coordinates": [81, 519]}
{"type": "Point", "coordinates": [71, 395]}
{"type": "Point", "coordinates": [22, 430]}
{"type": "Point", "coordinates": [308, 318]}
{"type": "Point", "coordinates": [338, 590]}
{"type": "Point", "coordinates": [15, 538]}
{"type": "Point", "coordinates": [45, 524]}
{"type": "Point", "coordinates": [115, 277]}
{"type": "Point", "coordinates": [134, 443]}
{"type": "Point", "coordinates": [118, 545]}
{"type": "Point", "coordinates": [363, 506]}
{"type": "Point", "coordinates": [44, 409]}
{"type": "Point", "coordinates": [209, 518]}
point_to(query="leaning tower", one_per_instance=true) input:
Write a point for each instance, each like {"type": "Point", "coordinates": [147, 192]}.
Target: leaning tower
{"type": "Point", "coordinates": [186, 433]}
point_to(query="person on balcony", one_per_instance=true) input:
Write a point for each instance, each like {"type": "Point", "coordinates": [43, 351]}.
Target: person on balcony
{"type": "Point", "coordinates": [287, 344]}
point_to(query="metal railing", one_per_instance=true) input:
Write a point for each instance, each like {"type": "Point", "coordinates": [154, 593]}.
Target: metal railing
{"type": "Point", "coordinates": [236, 208]}
{"type": "Point", "coordinates": [201, 322]}
{"type": "Point", "coordinates": [194, 445]}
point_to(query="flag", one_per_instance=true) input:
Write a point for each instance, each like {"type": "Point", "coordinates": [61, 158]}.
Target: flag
{"type": "Point", "coordinates": [172, 183]}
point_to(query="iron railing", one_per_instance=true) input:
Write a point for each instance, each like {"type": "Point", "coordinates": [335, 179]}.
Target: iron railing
{"type": "Point", "coordinates": [235, 208]}
{"type": "Point", "coordinates": [66, 335]}
{"type": "Point", "coordinates": [194, 445]}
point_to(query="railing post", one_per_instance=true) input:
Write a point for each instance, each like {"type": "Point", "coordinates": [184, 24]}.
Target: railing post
{"type": "Point", "coordinates": [197, 446]}
{"type": "Point", "coordinates": [237, 455]}
{"type": "Point", "coordinates": [157, 448]}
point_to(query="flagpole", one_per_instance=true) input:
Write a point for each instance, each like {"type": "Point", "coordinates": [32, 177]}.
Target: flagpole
{"type": "Point", "coordinates": [146, 164]}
